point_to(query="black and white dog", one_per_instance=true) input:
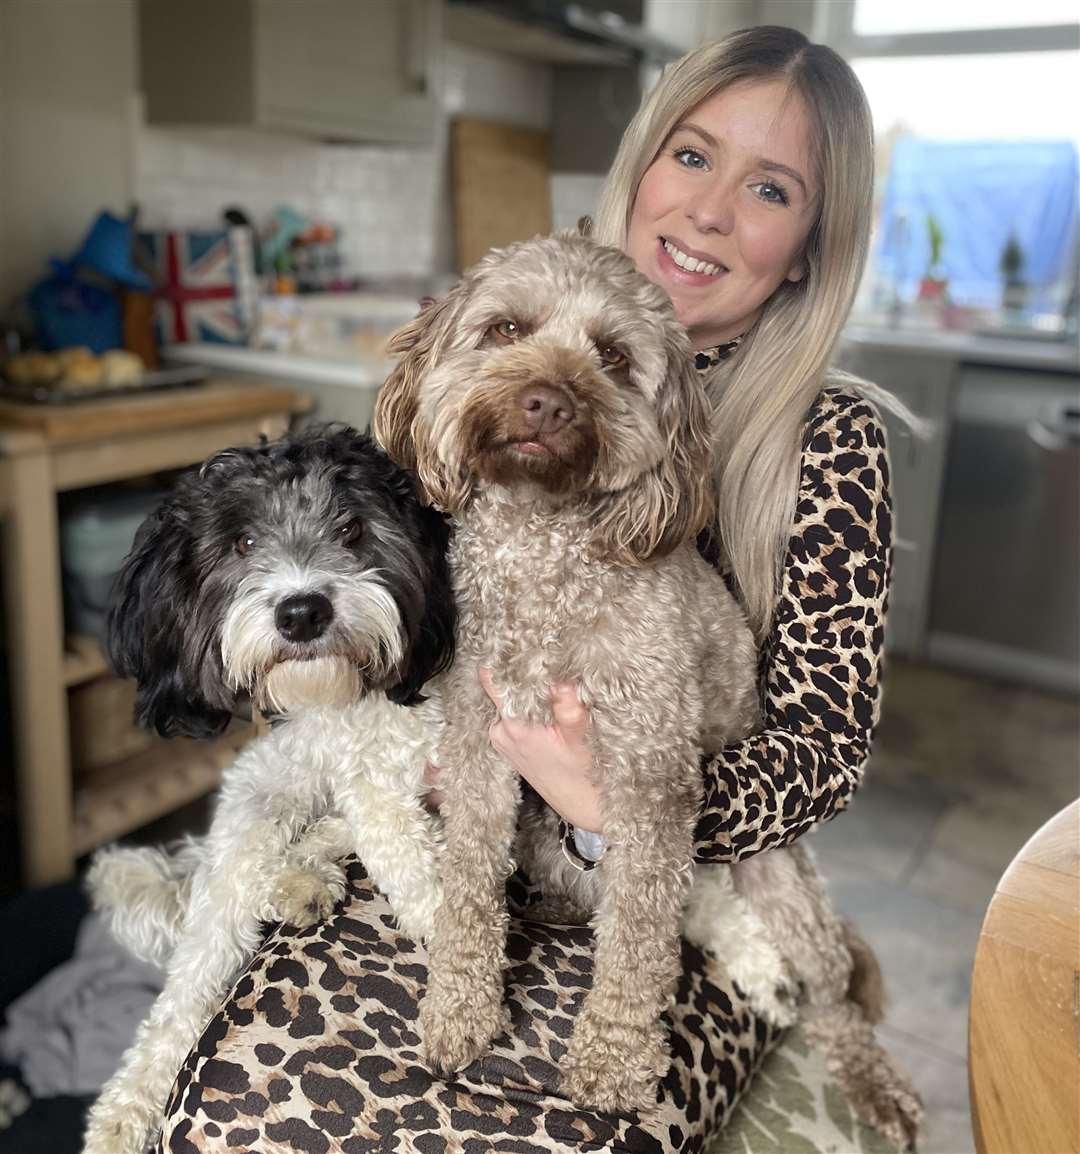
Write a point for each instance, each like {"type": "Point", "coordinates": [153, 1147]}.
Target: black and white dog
{"type": "Point", "coordinates": [307, 574]}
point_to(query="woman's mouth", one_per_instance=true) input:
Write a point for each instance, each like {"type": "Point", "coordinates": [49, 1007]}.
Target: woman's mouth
{"type": "Point", "coordinates": [684, 268]}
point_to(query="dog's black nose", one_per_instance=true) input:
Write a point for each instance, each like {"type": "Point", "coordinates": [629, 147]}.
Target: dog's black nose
{"type": "Point", "coordinates": [303, 617]}
{"type": "Point", "coordinates": [546, 409]}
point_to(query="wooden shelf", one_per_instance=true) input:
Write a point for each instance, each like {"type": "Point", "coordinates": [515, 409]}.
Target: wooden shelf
{"type": "Point", "coordinates": [45, 450]}
{"type": "Point", "coordinates": [113, 800]}
{"type": "Point", "coordinates": [83, 659]}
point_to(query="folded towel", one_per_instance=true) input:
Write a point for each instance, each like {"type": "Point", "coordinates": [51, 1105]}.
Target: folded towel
{"type": "Point", "coordinates": [68, 1033]}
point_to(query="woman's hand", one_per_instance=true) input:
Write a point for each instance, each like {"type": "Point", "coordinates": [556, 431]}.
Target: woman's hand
{"type": "Point", "coordinates": [554, 759]}
{"type": "Point", "coordinates": [434, 796]}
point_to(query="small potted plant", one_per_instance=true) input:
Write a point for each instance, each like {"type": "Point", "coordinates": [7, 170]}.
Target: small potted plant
{"type": "Point", "coordinates": [1014, 296]}
{"type": "Point", "coordinates": [934, 283]}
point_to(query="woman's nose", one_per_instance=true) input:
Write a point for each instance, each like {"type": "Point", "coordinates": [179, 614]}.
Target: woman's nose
{"type": "Point", "coordinates": [712, 209]}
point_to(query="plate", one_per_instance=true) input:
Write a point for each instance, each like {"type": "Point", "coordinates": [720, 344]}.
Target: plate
{"type": "Point", "coordinates": [168, 377]}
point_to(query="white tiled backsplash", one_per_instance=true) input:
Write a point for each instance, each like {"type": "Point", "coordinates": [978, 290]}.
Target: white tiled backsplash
{"type": "Point", "coordinates": [385, 199]}
{"type": "Point", "coordinates": [573, 195]}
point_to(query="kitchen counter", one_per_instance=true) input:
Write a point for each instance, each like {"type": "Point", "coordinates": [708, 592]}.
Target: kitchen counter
{"type": "Point", "coordinates": [339, 390]}
{"type": "Point", "coordinates": [285, 366]}
{"type": "Point", "coordinates": [969, 348]}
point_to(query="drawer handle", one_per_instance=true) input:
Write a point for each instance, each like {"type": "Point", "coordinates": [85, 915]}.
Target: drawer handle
{"type": "Point", "coordinates": [1057, 437]}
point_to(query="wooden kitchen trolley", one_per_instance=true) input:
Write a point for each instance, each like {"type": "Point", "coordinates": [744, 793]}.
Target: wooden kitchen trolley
{"type": "Point", "coordinates": [46, 450]}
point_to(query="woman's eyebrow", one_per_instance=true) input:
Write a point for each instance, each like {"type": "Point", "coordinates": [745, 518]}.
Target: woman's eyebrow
{"type": "Point", "coordinates": [768, 165]}
{"type": "Point", "coordinates": [775, 166]}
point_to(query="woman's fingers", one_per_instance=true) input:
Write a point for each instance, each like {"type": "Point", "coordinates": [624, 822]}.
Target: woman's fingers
{"type": "Point", "coordinates": [571, 718]}
{"type": "Point", "coordinates": [434, 796]}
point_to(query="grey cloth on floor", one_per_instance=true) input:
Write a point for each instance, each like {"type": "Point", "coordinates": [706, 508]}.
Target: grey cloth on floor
{"type": "Point", "coordinates": [68, 1033]}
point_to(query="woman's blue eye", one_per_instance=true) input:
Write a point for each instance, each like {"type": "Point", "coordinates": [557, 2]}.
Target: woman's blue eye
{"type": "Point", "coordinates": [771, 192]}
{"type": "Point", "coordinates": [690, 158]}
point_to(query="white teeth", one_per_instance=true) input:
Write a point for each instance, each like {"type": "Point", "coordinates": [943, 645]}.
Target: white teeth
{"type": "Point", "coordinates": [691, 264]}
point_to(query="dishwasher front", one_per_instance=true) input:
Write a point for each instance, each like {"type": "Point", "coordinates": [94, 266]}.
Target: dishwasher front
{"type": "Point", "coordinates": [1005, 594]}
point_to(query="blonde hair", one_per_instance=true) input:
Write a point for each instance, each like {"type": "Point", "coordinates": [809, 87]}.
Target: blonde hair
{"type": "Point", "coordinates": [762, 394]}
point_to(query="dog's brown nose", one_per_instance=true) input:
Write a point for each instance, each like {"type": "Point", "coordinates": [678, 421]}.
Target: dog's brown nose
{"type": "Point", "coordinates": [546, 409]}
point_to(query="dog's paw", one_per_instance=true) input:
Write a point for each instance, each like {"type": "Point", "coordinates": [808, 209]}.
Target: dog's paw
{"type": "Point", "coordinates": [459, 1022]}
{"type": "Point", "coordinates": [415, 922]}
{"type": "Point", "coordinates": [613, 1066]}
{"type": "Point", "coordinates": [305, 896]}
{"type": "Point", "coordinates": [774, 999]}
{"type": "Point", "coordinates": [113, 1130]}
{"type": "Point", "coordinates": [893, 1108]}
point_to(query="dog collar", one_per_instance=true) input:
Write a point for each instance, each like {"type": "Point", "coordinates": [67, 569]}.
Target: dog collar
{"type": "Point", "coordinates": [706, 358]}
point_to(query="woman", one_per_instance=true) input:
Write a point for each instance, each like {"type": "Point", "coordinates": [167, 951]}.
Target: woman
{"type": "Point", "coordinates": [742, 187]}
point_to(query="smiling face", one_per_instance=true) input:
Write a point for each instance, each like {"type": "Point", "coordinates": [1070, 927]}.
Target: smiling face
{"type": "Point", "coordinates": [722, 215]}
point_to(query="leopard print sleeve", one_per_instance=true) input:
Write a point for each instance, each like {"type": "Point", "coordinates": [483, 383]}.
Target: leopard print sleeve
{"type": "Point", "coordinates": [821, 665]}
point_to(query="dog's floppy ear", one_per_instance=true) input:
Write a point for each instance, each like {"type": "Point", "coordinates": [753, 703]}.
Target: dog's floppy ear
{"type": "Point", "coordinates": [673, 501]}
{"type": "Point", "coordinates": [397, 424]}
{"type": "Point", "coordinates": [417, 345]}
{"type": "Point", "coordinates": [432, 649]}
{"type": "Point", "coordinates": [150, 610]}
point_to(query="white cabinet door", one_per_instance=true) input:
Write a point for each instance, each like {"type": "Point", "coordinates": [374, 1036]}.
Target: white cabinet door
{"type": "Point", "coordinates": [354, 69]}
{"type": "Point", "coordinates": [343, 69]}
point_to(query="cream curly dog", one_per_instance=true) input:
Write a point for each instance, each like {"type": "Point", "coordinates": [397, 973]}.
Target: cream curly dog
{"type": "Point", "coordinates": [549, 403]}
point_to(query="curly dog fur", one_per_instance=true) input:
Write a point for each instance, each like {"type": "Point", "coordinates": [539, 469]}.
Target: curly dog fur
{"type": "Point", "coordinates": [549, 403]}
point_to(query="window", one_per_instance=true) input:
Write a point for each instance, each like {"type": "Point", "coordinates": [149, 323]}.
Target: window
{"type": "Point", "coordinates": [974, 105]}
{"type": "Point", "coordinates": [946, 27]}
{"type": "Point", "coordinates": [885, 17]}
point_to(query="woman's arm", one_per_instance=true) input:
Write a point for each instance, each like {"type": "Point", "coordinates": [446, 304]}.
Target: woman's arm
{"type": "Point", "coordinates": [823, 660]}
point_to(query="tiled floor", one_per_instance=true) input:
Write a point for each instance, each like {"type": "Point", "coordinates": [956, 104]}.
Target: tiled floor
{"type": "Point", "coordinates": [963, 772]}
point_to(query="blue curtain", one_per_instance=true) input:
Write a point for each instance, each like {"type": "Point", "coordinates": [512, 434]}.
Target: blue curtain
{"type": "Point", "coordinates": [980, 193]}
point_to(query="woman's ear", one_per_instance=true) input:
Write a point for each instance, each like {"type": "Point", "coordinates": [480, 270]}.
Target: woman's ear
{"type": "Point", "coordinates": [152, 608]}
{"type": "Point", "coordinates": [672, 502]}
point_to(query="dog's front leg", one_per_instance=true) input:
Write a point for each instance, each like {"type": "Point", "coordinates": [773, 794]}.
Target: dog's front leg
{"type": "Point", "coordinates": [619, 1048]}
{"type": "Point", "coordinates": [311, 879]}
{"type": "Point", "coordinates": [397, 840]}
{"type": "Point", "coordinates": [230, 895]}
{"type": "Point", "coordinates": [720, 919]}
{"type": "Point", "coordinates": [462, 1010]}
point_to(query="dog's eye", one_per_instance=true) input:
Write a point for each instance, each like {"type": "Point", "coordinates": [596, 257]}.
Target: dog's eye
{"type": "Point", "coordinates": [349, 533]}
{"type": "Point", "coordinates": [507, 330]}
{"type": "Point", "coordinates": [611, 357]}
{"type": "Point", "coordinates": [245, 543]}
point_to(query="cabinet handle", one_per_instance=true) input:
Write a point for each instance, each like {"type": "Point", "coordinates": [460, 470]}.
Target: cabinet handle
{"type": "Point", "coordinates": [1062, 434]}
{"type": "Point", "coordinates": [414, 44]}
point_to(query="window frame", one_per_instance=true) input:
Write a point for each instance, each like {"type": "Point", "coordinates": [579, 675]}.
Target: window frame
{"type": "Point", "coordinates": [834, 24]}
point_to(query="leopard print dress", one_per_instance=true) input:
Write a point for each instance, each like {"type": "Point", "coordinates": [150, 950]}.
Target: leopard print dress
{"type": "Point", "coordinates": [315, 1049]}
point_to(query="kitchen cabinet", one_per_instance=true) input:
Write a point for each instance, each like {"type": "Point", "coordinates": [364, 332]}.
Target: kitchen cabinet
{"type": "Point", "coordinates": [1004, 595]}
{"type": "Point", "coordinates": [986, 550]}
{"type": "Point", "coordinates": [337, 69]}
{"type": "Point", "coordinates": [925, 385]}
